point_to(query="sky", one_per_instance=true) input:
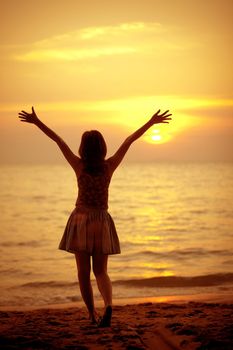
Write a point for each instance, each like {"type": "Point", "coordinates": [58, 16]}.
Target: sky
{"type": "Point", "coordinates": [110, 65]}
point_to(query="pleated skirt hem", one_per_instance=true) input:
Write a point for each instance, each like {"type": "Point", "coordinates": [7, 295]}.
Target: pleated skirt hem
{"type": "Point", "coordinates": [92, 231]}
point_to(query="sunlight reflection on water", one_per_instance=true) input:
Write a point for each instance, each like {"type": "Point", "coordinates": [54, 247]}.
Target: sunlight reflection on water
{"type": "Point", "coordinates": [172, 219]}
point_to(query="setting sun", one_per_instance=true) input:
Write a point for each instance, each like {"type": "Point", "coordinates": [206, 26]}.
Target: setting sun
{"type": "Point", "coordinates": [156, 136]}
{"type": "Point", "coordinates": [162, 133]}
{"type": "Point", "coordinates": [116, 174]}
{"type": "Point", "coordinates": [110, 71]}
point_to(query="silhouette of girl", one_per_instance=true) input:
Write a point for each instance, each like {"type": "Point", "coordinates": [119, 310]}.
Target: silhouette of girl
{"type": "Point", "coordinates": [90, 230]}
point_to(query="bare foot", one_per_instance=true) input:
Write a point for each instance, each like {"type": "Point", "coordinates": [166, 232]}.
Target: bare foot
{"type": "Point", "coordinates": [94, 317]}
{"type": "Point", "coordinates": [106, 319]}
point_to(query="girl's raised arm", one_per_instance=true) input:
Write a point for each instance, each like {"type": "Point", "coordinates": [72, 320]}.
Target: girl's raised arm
{"type": "Point", "coordinates": [72, 159]}
{"type": "Point", "coordinates": [157, 118]}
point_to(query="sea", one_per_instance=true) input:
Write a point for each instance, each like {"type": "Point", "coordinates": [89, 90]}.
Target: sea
{"type": "Point", "coordinates": [174, 222]}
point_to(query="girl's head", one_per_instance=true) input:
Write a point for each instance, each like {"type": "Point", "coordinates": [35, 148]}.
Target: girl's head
{"type": "Point", "coordinates": [92, 149]}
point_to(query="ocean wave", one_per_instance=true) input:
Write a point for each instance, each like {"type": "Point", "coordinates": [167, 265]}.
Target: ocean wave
{"type": "Point", "coordinates": [38, 197]}
{"type": "Point", "coordinates": [182, 253]}
{"type": "Point", "coordinates": [22, 244]}
{"type": "Point", "coordinates": [177, 281]}
{"type": "Point", "coordinates": [48, 284]}
{"type": "Point", "coordinates": [152, 282]}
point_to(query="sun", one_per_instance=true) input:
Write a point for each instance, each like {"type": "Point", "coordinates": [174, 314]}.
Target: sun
{"type": "Point", "coordinates": [157, 136]}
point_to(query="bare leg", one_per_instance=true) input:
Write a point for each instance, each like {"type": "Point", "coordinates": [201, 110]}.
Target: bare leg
{"type": "Point", "coordinates": [100, 262]}
{"type": "Point", "coordinates": [84, 270]}
{"type": "Point", "coordinates": [105, 287]}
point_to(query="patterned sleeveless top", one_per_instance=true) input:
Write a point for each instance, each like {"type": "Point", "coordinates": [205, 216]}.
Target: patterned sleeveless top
{"type": "Point", "coordinates": [93, 190]}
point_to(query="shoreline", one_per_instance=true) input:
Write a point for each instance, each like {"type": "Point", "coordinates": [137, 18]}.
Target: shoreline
{"type": "Point", "coordinates": [188, 323]}
{"type": "Point", "coordinates": [173, 299]}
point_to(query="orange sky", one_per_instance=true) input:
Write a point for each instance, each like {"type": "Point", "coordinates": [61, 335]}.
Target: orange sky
{"type": "Point", "coordinates": [109, 66]}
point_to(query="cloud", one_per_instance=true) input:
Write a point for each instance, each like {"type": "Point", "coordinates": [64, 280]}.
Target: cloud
{"type": "Point", "coordinates": [135, 106]}
{"type": "Point", "coordinates": [101, 33]}
{"type": "Point", "coordinates": [121, 29]}
{"type": "Point", "coordinates": [129, 113]}
{"type": "Point", "coordinates": [73, 55]}
{"type": "Point", "coordinates": [95, 42]}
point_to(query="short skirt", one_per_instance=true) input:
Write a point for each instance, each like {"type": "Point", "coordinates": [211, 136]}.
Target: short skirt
{"type": "Point", "coordinates": [91, 231]}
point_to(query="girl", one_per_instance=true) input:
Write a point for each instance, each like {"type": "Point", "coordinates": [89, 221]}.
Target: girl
{"type": "Point", "coordinates": [90, 230]}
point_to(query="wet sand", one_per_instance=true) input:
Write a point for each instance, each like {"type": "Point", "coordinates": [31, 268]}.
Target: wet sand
{"type": "Point", "coordinates": [150, 325]}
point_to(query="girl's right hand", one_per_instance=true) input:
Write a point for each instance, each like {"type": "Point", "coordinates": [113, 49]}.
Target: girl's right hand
{"type": "Point", "coordinates": [28, 117]}
{"type": "Point", "coordinates": [161, 118]}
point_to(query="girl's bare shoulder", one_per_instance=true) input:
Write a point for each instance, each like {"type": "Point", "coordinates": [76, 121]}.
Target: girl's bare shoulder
{"type": "Point", "coordinates": [110, 165]}
{"type": "Point", "coordinates": [78, 166]}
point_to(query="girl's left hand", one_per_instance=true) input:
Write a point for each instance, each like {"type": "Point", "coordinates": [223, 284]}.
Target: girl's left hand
{"type": "Point", "coordinates": [28, 117]}
{"type": "Point", "coordinates": [161, 118]}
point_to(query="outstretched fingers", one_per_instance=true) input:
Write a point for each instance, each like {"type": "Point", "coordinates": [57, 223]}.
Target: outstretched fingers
{"type": "Point", "coordinates": [25, 117]}
{"type": "Point", "coordinates": [164, 113]}
{"type": "Point", "coordinates": [165, 118]}
{"type": "Point", "coordinates": [28, 117]}
{"type": "Point", "coordinates": [24, 114]}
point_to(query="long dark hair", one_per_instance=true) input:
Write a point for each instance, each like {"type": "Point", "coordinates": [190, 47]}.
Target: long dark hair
{"type": "Point", "coordinates": [92, 151]}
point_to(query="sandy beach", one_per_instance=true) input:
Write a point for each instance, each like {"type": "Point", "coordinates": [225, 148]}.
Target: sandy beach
{"type": "Point", "coordinates": [172, 325]}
